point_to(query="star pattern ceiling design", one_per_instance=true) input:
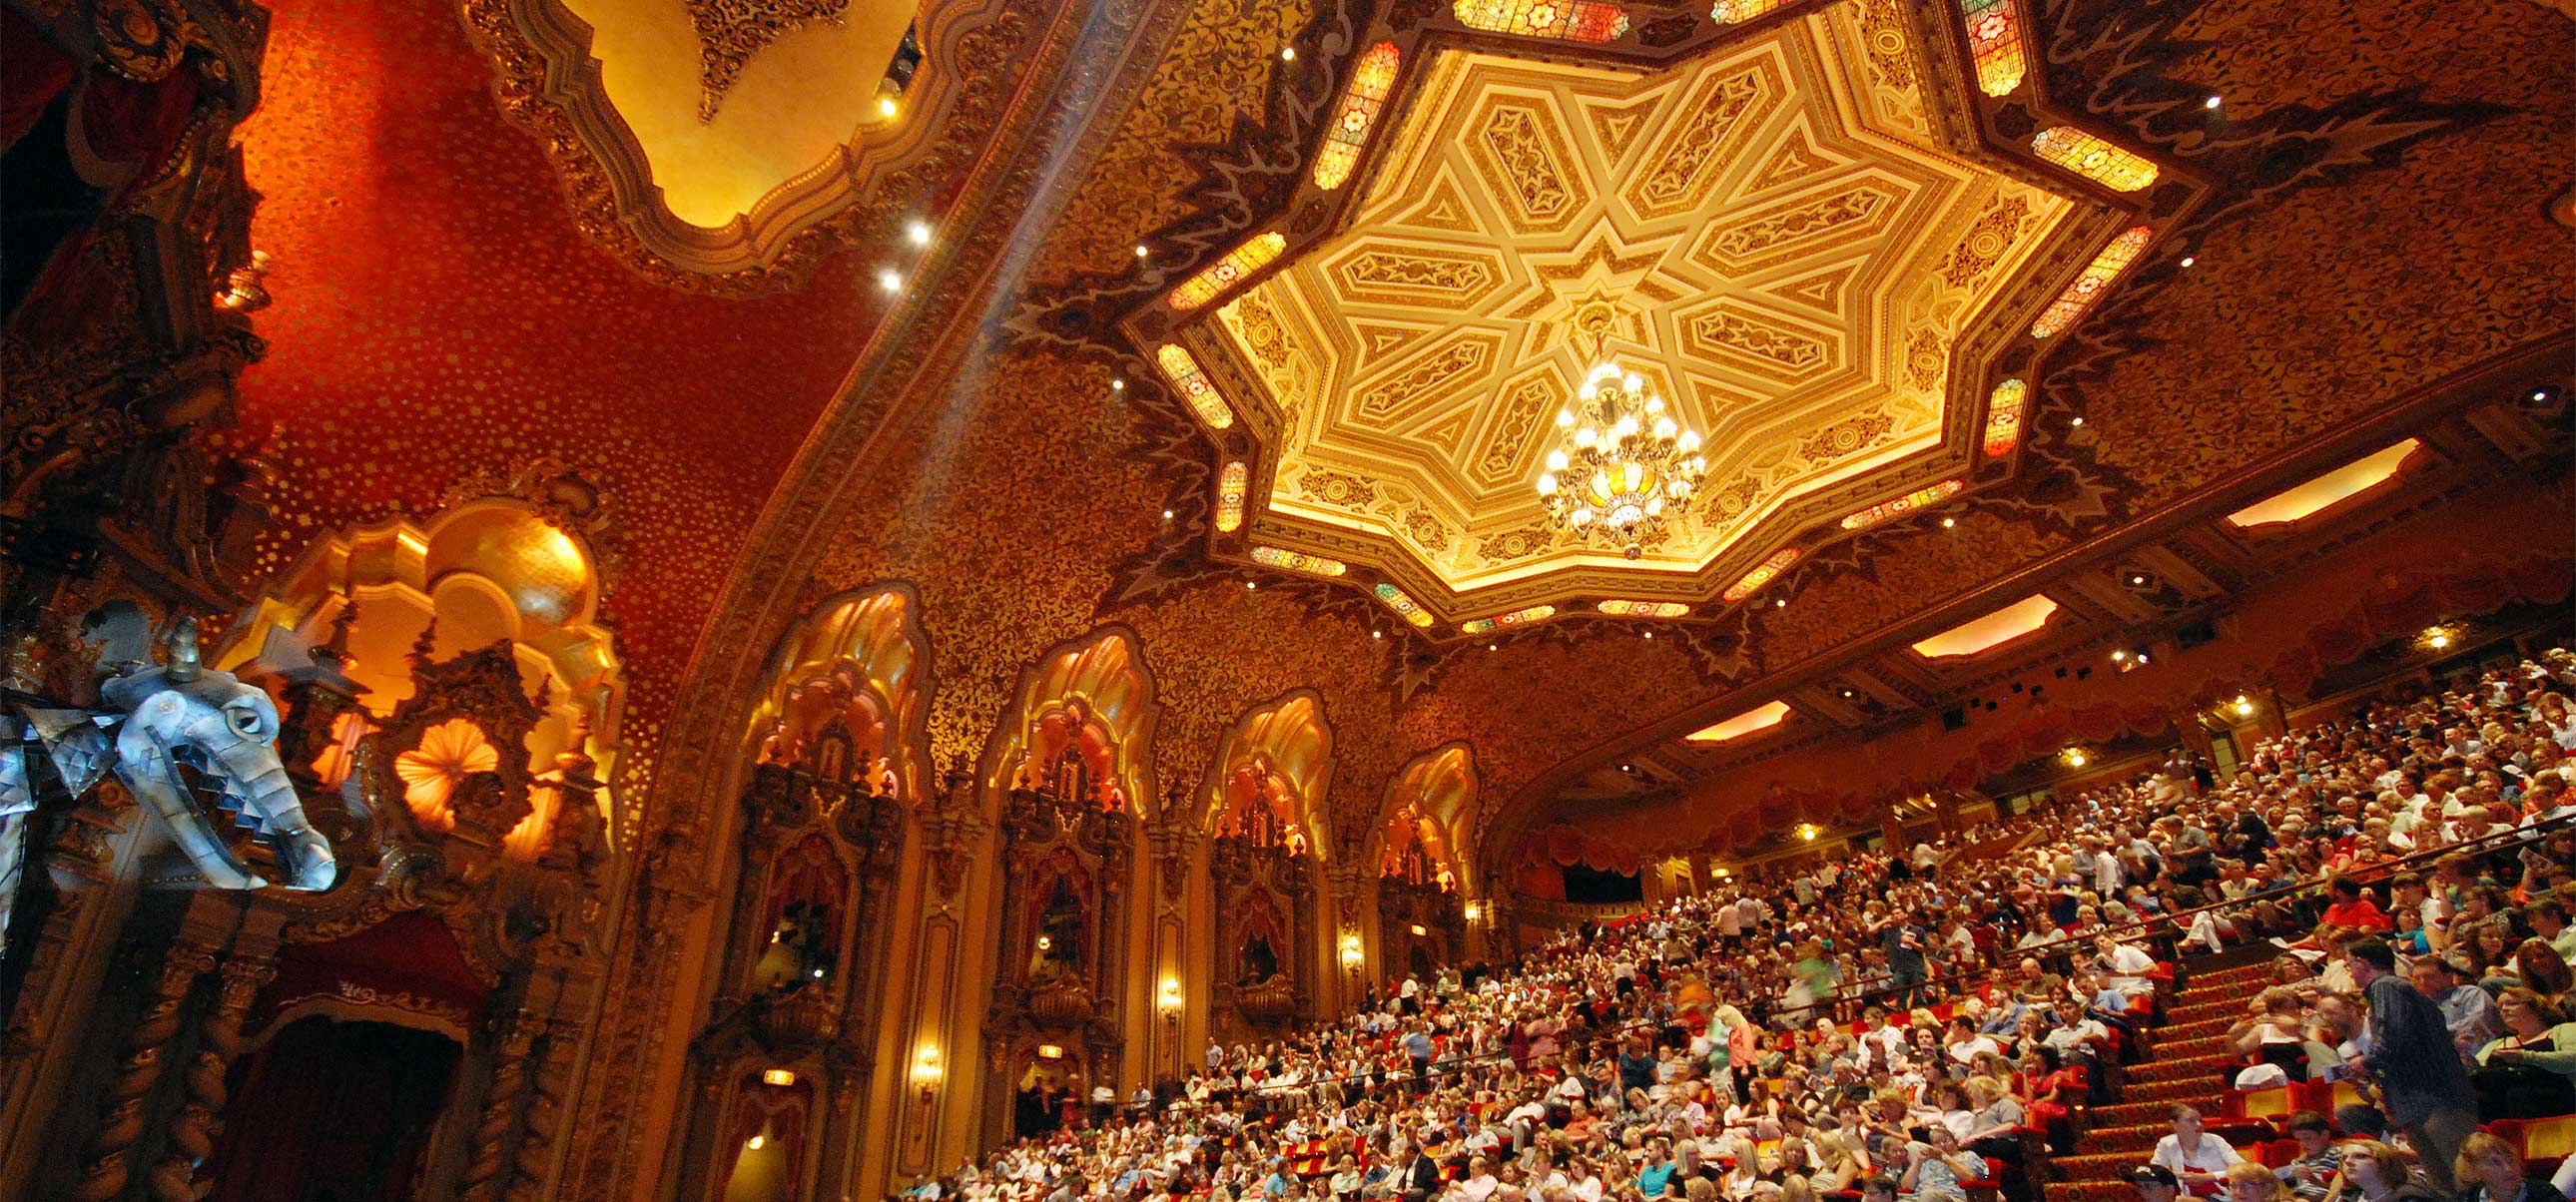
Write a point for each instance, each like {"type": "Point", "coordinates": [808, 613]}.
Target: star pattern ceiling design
{"type": "Point", "coordinates": [1771, 235]}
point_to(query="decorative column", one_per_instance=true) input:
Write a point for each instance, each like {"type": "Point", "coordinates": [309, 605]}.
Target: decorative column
{"type": "Point", "coordinates": [491, 1147]}
{"type": "Point", "coordinates": [545, 1111]}
{"type": "Point", "coordinates": [201, 1116]}
{"type": "Point", "coordinates": [104, 1172]}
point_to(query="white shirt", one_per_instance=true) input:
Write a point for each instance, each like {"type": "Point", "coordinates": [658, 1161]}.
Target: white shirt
{"type": "Point", "coordinates": [2212, 1157]}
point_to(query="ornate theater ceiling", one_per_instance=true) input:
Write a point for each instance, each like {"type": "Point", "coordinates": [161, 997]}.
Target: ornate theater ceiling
{"type": "Point", "coordinates": [1772, 236]}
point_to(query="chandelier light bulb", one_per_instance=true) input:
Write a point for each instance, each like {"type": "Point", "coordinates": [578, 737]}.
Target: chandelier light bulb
{"type": "Point", "coordinates": [1585, 437]}
{"type": "Point", "coordinates": [1547, 485]}
{"type": "Point", "coordinates": [1688, 442]}
{"type": "Point", "coordinates": [1556, 460]}
{"type": "Point", "coordinates": [1582, 517]}
{"type": "Point", "coordinates": [1587, 392]}
{"type": "Point", "coordinates": [1631, 382]}
{"type": "Point", "coordinates": [1665, 427]}
{"type": "Point", "coordinates": [1564, 418]}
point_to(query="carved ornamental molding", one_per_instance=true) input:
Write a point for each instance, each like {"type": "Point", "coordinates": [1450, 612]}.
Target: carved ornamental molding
{"type": "Point", "coordinates": [547, 80]}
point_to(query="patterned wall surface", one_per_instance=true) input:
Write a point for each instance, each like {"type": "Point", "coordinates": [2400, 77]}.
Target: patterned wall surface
{"type": "Point", "coordinates": [1790, 279]}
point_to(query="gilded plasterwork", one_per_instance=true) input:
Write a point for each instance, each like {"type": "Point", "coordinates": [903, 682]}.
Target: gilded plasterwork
{"type": "Point", "coordinates": [1766, 234]}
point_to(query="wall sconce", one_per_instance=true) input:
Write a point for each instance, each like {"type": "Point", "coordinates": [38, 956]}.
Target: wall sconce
{"type": "Point", "coordinates": [1475, 912]}
{"type": "Point", "coordinates": [1048, 1051]}
{"type": "Point", "coordinates": [926, 1071]}
{"type": "Point", "coordinates": [1352, 957]}
{"type": "Point", "coordinates": [2243, 706]}
{"type": "Point", "coordinates": [1170, 997]}
{"type": "Point", "coordinates": [1724, 873]}
{"type": "Point", "coordinates": [1417, 929]}
{"type": "Point", "coordinates": [2074, 757]}
{"type": "Point", "coordinates": [777, 1076]}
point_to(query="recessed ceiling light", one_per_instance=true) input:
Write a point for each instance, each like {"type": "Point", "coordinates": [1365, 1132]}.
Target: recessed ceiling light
{"type": "Point", "coordinates": [1167, 515]}
{"type": "Point", "coordinates": [1287, 54]}
{"type": "Point", "coordinates": [2137, 580]}
{"type": "Point", "coordinates": [1650, 634]}
{"type": "Point", "coordinates": [885, 106]}
{"type": "Point", "coordinates": [1946, 523]}
{"type": "Point", "coordinates": [1140, 250]}
{"type": "Point", "coordinates": [2188, 260]}
{"type": "Point", "coordinates": [918, 231]}
{"type": "Point", "coordinates": [2077, 422]}
{"type": "Point", "coordinates": [1377, 634]}
{"type": "Point", "coordinates": [890, 279]}
{"type": "Point", "coordinates": [1119, 385]}
{"type": "Point", "coordinates": [1493, 646]}
{"type": "Point", "coordinates": [2211, 103]}
{"type": "Point", "coordinates": [1252, 584]}
{"type": "Point", "coordinates": [1782, 603]}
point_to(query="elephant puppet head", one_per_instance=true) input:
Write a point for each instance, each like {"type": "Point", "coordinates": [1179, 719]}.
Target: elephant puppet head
{"type": "Point", "coordinates": [181, 714]}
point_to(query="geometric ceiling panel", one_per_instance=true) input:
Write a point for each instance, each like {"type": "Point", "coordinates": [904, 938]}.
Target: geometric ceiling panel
{"type": "Point", "coordinates": [1769, 233]}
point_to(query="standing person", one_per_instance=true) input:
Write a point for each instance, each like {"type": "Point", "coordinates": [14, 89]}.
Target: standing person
{"type": "Point", "coordinates": [2422, 1083]}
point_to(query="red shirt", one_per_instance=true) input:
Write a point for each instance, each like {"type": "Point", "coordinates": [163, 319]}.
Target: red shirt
{"type": "Point", "coordinates": [2358, 914]}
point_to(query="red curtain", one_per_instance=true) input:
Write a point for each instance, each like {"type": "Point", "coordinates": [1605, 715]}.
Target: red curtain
{"type": "Point", "coordinates": [331, 1112]}
{"type": "Point", "coordinates": [32, 73]}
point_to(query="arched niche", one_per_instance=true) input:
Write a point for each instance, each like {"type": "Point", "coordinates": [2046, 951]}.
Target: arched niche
{"type": "Point", "coordinates": [1087, 706]}
{"type": "Point", "coordinates": [1274, 768]}
{"type": "Point", "coordinates": [485, 572]}
{"type": "Point", "coordinates": [849, 684]}
{"type": "Point", "coordinates": [1430, 817]}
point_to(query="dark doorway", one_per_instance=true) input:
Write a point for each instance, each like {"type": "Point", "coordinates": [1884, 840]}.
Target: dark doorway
{"type": "Point", "coordinates": [1593, 886]}
{"type": "Point", "coordinates": [332, 1112]}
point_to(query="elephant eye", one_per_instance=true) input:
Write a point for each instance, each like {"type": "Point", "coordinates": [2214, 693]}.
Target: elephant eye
{"type": "Point", "coordinates": [245, 720]}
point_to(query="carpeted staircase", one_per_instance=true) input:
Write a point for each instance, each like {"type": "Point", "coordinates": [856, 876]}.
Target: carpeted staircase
{"type": "Point", "coordinates": [2189, 1062]}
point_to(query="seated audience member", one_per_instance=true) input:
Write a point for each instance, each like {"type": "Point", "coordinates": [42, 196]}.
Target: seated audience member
{"type": "Point", "coordinates": [1940, 1170]}
{"type": "Point", "coordinates": [2155, 1183]}
{"type": "Point", "coordinates": [2529, 1070]}
{"type": "Point", "coordinates": [2197, 1159]}
{"type": "Point", "coordinates": [2466, 1009]}
{"type": "Point", "coordinates": [2489, 1170]}
{"type": "Point", "coordinates": [2312, 1172]}
{"type": "Point", "coordinates": [2376, 1172]}
{"type": "Point", "coordinates": [2251, 1182]}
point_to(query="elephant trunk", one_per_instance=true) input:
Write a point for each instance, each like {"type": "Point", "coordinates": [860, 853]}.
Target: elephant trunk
{"type": "Point", "coordinates": [257, 781]}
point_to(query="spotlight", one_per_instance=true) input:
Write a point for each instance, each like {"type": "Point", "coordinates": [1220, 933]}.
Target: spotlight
{"type": "Point", "coordinates": [2188, 260]}
{"type": "Point", "coordinates": [885, 106]}
{"type": "Point", "coordinates": [1650, 634]}
{"type": "Point", "coordinates": [1493, 646]}
{"type": "Point", "coordinates": [2077, 422]}
{"type": "Point", "coordinates": [1167, 515]}
{"type": "Point", "coordinates": [1140, 250]}
{"type": "Point", "coordinates": [1119, 385]}
{"type": "Point", "coordinates": [2120, 657]}
{"type": "Point", "coordinates": [2211, 103]}
{"type": "Point", "coordinates": [1377, 634]}
{"type": "Point", "coordinates": [1782, 603]}
{"type": "Point", "coordinates": [1287, 54]}
{"type": "Point", "coordinates": [890, 279]}
{"type": "Point", "coordinates": [1251, 584]}
{"type": "Point", "coordinates": [1946, 523]}
{"type": "Point", "coordinates": [918, 231]}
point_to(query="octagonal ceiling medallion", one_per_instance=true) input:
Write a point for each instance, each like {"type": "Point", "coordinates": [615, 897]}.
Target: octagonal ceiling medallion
{"type": "Point", "coordinates": [1772, 233]}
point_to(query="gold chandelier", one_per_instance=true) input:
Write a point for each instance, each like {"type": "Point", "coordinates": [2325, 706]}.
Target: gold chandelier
{"type": "Point", "coordinates": [1620, 462]}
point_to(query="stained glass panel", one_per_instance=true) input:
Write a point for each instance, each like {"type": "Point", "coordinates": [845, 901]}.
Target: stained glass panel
{"type": "Point", "coordinates": [1908, 503]}
{"type": "Point", "coordinates": [2003, 416]}
{"type": "Point", "coordinates": [1994, 40]}
{"type": "Point", "coordinates": [2089, 286]}
{"type": "Point", "coordinates": [1312, 565]}
{"type": "Point", "coordinates": [1763, 573]}
{"type": "Point", "coordinates": [1362, 100]}
{"type": "Point", "coordinates": [2094, 159]}
{"type": "Point", "coordinates": [1644, 609]}
{"type": "Point", "coordinates": [1195, 388]}
{"type": "Point", "coordinates": [1230, 486]}
{"type": "Point", "coordinates": [1255, 254]}
{"type": "Point", "coordinates": [1406, 606]}
{"type": "Point", "coordinates": [1592, 21]}
{"type": "Point", "coordinates": [1727, 12]}
{"type": "Point", "coordinates": [1518, 617]}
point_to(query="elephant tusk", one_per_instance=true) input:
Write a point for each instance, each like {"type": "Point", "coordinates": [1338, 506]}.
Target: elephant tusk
{"type": "Point", "coordinates": [151, 774]}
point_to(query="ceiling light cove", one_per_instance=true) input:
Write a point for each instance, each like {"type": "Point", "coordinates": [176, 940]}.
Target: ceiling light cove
{"type": "Point", "coordinates": [1770, 239]}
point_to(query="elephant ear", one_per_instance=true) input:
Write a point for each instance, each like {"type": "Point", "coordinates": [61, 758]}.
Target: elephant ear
{"type": "Point", "coordinates": [77, 743]}
{"type": "Point", "coordinates": [147, 769]}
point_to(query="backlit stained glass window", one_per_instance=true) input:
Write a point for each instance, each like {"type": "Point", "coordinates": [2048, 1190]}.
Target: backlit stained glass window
{"type": "Point", "coordinates": [1994, 40]}
{"type": "Point", "coordinates": [1229, 271]}
{"type": "Point", "coordinates": [1362, 100]}
{"type": "Point", "coordinates": [1727, 12]}
{"type": "Point", "coordinates": [1571, 20]}
{"type": "Point", "coordinates": [2089, 286]}
{"type": "Point", "coordinates": [1403, 605]}
{"type": "Point", "coordinates": [1195, 388]}
{"type": "Point", "coordinates": [1908, 503]}
{"type": "Point", "coordinates": [1763, 573]}
{"type": "Point", "coordinates": [2003, 416]}
{"type": "Point", "coordinates": [1230, 486]}
{"type": "Point", "coordinates": [2094, 159]}
{"type": "Point", "coordinates": [1518, 617]}
{"type": "Point", "coordinates": [1644, 609]}
{"type": "Point", "coordinates": [1312, 565]}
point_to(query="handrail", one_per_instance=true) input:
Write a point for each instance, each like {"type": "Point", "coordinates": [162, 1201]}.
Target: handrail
{"type": "Point", "coordinates": [2147, 926]}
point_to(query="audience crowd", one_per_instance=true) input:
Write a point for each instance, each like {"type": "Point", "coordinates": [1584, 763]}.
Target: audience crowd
{"type": "Point", "coordinates": [1916, 1024]}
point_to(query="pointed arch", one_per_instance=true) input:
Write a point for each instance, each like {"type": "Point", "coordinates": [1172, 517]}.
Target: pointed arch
{"type": "Point", "coordinates": [850, 679]}
{"type": "Point", "coordinates": [1278, 755]}
{"type": "Point", "coordinates": [1432, 804]}
{"type": "Point", "coordinates": [1092, 696]}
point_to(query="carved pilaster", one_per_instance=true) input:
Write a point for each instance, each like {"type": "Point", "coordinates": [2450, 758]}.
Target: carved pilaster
{"type": "Point", "coordinates": [545, 1111]}
{"type": "Point", "coordinates": [201, 1116]}
{"type": "Point", "coordinates": [104, 1171]}
{"type": "Point", "coordinates": [948, 837]}
{"type": "Point", "coordinates": [1174, 840]}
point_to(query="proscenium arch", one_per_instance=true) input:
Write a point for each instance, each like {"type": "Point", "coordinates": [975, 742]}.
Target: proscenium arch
{"type": "Point", "coordinates": [874, 634]}
{"type": "Point", "coordinates": [1294, 737]}
{"type": "Point", "coordinates": [1104, 672]}
{"type": "Point", "coordinates": [1443, 787]}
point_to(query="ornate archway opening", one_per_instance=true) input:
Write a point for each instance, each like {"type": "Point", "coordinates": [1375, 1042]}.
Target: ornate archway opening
{"type": "Point", "coordinates": [1274, 768]}
{"type": "Point", "coordinates": [1428, 835]}
{"type": "Point", "coordinates": [1083, 727]}
{"type": "Point", "coordinates": [848, 694]}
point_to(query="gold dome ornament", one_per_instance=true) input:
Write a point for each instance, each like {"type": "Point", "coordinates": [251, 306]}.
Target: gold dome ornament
{"type": "Point", "coordinates": [1622, 466]}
